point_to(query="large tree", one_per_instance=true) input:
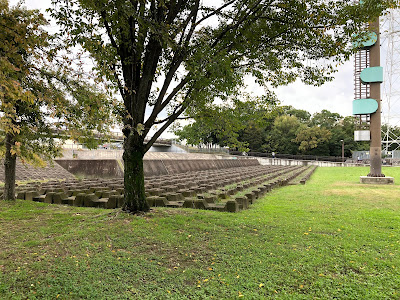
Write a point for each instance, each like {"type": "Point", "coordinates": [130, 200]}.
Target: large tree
{"type": "Point", "coordinates": [41, 103]}
{"type": "Point", "coordinates": [168, 56]}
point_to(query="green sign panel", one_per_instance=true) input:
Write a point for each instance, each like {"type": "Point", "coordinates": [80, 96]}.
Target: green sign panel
{"type": "Point", "coordinates": [367, 42]}
{"type": "Point", "coordinates": [371, 75]}
{"type": "Point", "coordinates": [364, 106]}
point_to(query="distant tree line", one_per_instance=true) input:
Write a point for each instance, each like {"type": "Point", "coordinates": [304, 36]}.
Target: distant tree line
{"type": "Point", "coordinates": [271, 128]}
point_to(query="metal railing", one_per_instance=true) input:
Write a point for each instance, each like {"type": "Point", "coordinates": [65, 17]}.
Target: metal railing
{"type": "Point", "coordinates": [290, 156]}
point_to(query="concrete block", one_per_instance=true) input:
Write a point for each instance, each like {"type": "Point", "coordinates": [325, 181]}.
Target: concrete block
{"type": "Point", "coordinates": [59, 197]}
{"type": "Point", "coordinates": [88, 199]}
{"type": "Point", "coordinates": [151, 200]}
{"type": "Point", "coordinates": [174, 204]}
{"type": "Point", "coordinates": [69, 201]}
{"type": "Point", "coordinates": [101, 203]}
{"type": "Point", "coordinates": [232, 206]}
{"type": "Point", "coordinates": [30, 194]}
{"type": "Point", "coordinates": [217, 207]}
{"type": "Point", "coordinates": [112, 202]}
{"type": "Point", "coordinates": [250, 196]}
{"type": "Point", "coordinates": [48, 197]}
{"type": "Point", "coordinates": [210, 198]}
{"type": "Point", "coordinates": [222, 195]}
{"type": "Point", "coordinates": [161, 201]}
{"type": "Point", "coordinates": [79, 199]}
{"type": "Point", "coordinates": [116, 201]}
{"type": "Point", "coordinates": [376, 180]}
{"type": "Point", "coordinates": [243, 202]}
{"type": "Point", "coordinates": [188, 203]}
{"type": "Point", "coordinates": [188, 193]}
{"type": "Point", "coordinates": [200, 204]}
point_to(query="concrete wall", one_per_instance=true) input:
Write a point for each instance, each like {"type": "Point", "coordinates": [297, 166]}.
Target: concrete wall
{"type": "Point", "coordinates": [154, 151]}
{"type": "Point", "coordinates": [99, 168]}
{"type": "Point", "coordinates": [104, 168]}
{"type": "Point", "coordinates": [92, 154]}
{"type": "Point", "coordinates": [172, 148]}
{"type": "Point", "coordinates": [113, 153]}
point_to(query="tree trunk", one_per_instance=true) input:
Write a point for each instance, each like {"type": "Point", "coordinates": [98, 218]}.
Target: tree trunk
{"type": "Point", "coordinates": [135, 197]}
{"type": "Point", "coordinates": [9, 169]}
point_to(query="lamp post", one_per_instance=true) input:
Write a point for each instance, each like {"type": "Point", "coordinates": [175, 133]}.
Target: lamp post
{"type": "Point", "coordinates": [342, 150]}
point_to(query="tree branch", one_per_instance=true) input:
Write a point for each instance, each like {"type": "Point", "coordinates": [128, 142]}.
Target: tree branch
{"type": "Point", "coordinates": [153, 53]}
{"type": "Point", "coordinates": [166, 119]}
{"type": "Point", "coordinates": [244, 18]}
{"type": "Point", "coordinates": [171, 119]}
{"type": "Point", "coordinates": [157, 110]}
{"type": "Point", "coordinates": [176, 62]}
{"type": "Point", "coordinates": [109, 32]}
{"type": "Point", "coordinates": [120, 87]}
{"type": "Point", "coordinates": [215, 11]}
{"type": "Point", "coordinates": [192, 16]}
{"type": "Point", "coordinates": [184, 118]}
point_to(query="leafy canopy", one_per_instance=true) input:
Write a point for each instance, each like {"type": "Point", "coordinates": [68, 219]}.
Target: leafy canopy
{"type": "Point", "coordinates": [224, 124]}
{"type": "Point", "coordinates": [279, 129]}
{"type": "Point", "coordinates": [41, 101]}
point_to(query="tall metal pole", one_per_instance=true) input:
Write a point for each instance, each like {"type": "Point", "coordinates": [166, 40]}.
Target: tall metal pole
{"type": "Point", "coordinates": [342, 150]}
{"type": "Point", "coordinates": [375, 125]}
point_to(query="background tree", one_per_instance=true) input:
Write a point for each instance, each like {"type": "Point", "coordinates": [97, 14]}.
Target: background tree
{"type": "Point", "coordinates": [196, 134]}
{"type": "Point", "coordinates": [310, 138]}
{"type": "Point", "coordinates": [280, 131]}
{"type": "Point", "coordinates": [168, 56]}
{"type": "Point", "coordinates": [325, 119]}
{"type": "Point", "coordinates": [38, 98]}
{"type": "Point", "coordinates": [255, 137]}
{"type": "Point", "coordinates": [302, 115]}
{"type": "Point", "coordinates": [283, 134]}
{"type": "Point", "coordinates": [231, 125]}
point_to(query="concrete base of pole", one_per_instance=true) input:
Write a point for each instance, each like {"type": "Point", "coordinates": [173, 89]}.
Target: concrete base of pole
{"type": "Point", "coordinates": [376, 180]}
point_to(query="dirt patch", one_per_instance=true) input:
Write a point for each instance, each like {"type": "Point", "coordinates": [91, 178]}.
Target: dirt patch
{"type": "Point", "coordinates": [345, 184]}
{"type": "Point", "coordinates": [162, 213]}
{"type": "Point", "coordinates": [361, 193]}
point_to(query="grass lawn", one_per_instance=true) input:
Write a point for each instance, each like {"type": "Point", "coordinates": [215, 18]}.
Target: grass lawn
{"type": "Point", "coordinates": [330, 238]}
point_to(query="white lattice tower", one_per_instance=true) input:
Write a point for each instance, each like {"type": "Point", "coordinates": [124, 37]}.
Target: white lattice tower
{"type": "Point", "coordinates": [391, 87]}
{"type": "Point", "coordinates": [361, 91]}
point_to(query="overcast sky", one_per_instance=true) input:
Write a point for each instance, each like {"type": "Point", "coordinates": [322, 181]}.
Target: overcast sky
{"type": "Point", "coordinates": [335, 96]}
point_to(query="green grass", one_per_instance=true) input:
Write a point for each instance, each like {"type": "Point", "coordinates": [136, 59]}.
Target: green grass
{"type": "Point", "coordinates": [331, 238]}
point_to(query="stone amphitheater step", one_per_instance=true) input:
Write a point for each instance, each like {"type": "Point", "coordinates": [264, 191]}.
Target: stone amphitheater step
{"type": "Point", "coordinates": [28, 172]}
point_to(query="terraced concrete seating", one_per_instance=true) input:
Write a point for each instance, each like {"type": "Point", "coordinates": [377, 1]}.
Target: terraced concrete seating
{"type": "Point", "coordinates": [307, 174]}
{"type": "Point", "coordinates": [222, 190]}
{"type": "Point", "coordinates": [28, 172]}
